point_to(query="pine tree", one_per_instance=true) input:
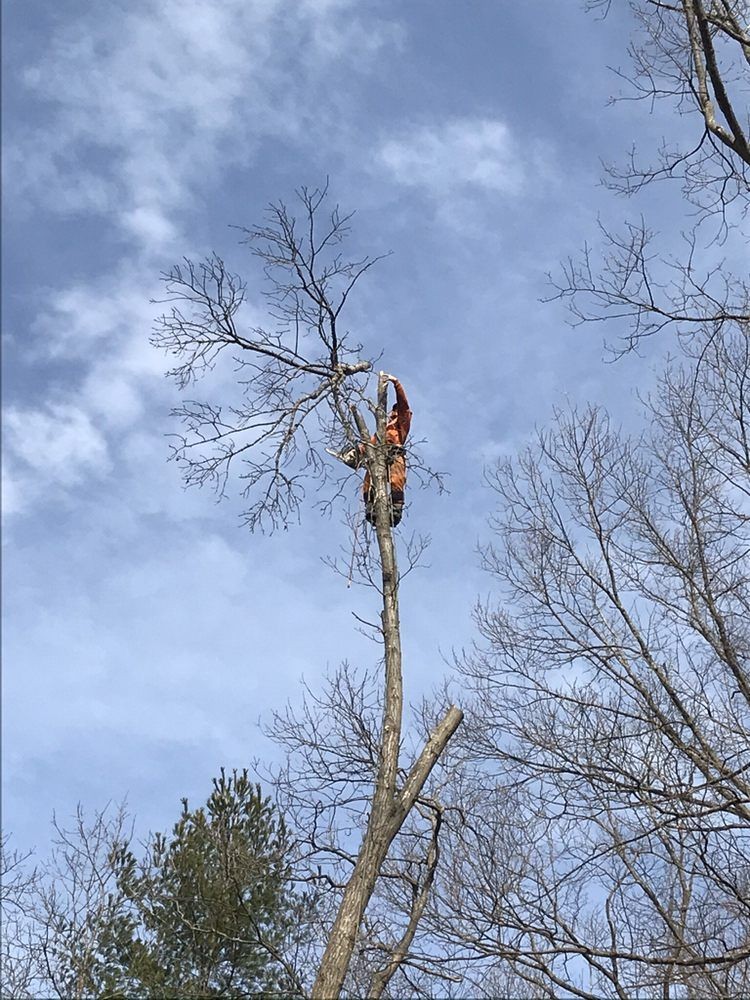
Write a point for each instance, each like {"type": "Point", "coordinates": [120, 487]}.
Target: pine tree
{"type": "Point", "coordinates": [210, 906]}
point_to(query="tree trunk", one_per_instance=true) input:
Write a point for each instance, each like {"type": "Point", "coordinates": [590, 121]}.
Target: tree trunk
{"type": "Point", "coordinates": [390, 807]}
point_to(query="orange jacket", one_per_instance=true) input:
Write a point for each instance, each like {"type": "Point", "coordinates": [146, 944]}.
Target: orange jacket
{"type": "Point", "coordinates": [396, 433]}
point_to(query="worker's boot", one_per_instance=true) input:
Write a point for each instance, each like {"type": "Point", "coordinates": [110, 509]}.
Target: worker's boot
{"type": "Point", "coordinates": [394, 451]}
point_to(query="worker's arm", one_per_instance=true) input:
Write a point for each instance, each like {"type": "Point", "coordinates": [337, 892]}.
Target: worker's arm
{"type": "Point", "coordinates": [402, 409]}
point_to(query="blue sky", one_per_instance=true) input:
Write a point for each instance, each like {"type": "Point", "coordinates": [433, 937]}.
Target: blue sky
{"type": "Point", "coordinates": [146, 633]}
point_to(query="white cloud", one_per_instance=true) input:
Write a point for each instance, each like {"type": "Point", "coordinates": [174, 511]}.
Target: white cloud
{"type": "Point", "coordinates": [101, 329]}
{"type": "Point", "coordinates": [88, 321]}
{"type": "Point", "coordinates": [12, 497]}
{"type": "Point", "coordinates": [149, 225]}
{"type": "Point", "coordinates": [117, 392]}
{"type": "Point", "coordinates": [58, 443]}
{"type": "Point", "coordinates": [151, 101]}
{"type": "Point", "coordinates": [476, 153]}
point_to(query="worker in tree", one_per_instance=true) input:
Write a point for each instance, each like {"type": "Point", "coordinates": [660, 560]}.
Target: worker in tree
{"type": "Point", "coordinates": [396, 432]}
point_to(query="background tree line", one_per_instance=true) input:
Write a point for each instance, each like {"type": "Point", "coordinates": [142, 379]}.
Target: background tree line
{"type": "Point", "coordinates": [582, 829]}
{"type": "Point", "coordinates": [208, 909]}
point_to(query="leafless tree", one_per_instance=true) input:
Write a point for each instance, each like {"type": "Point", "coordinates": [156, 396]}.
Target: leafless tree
{"type": "Point", "coordinates": [18, 883]}
{"type": "Point", "coordinates": [292, 387]}
{"type": "Point", "coordinates": [605, 849]}
{"type": "Point", "coordinates": [693, 55]}
{"type": "Point", "coordinates": [325, 786]}
{"type": "Point", "coordinates": [56, 915]}
{"type": "Point", "coordinates": [601, 778]}
{"type": "Point", "coordinates": [301, 387]}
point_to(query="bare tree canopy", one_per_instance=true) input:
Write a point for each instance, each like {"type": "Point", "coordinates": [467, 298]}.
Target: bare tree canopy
{"type": "Point", "coordinates": [612, 705]}
{"type": "Point", "coordinates": [296, 382]}
{"type": "Point", "coordinates": [601, 783]}
{"type": "Point", "coordinates": [694, 56]}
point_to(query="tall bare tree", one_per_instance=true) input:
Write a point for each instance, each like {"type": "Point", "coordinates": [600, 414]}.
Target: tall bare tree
{"type": "Point", "coordinates": [606, 754]}
{"type": "Point", "coordinates": [331, 751]}
{"type": "Point", "coordinates": [300, 387]}
{"type": "Point", "coordinates": [605, 849]}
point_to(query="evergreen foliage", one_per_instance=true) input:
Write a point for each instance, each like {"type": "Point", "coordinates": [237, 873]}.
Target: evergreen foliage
{"type": "Point", "coordinates": [210, 906]}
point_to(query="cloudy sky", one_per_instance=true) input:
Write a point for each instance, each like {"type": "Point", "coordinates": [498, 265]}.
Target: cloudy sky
{"type": "Point", "coordinates": [146, 632]}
